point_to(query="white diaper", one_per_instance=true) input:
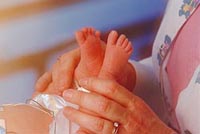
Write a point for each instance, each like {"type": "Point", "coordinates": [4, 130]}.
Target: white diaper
{"type": "Point", "coordinates": [54, 103]}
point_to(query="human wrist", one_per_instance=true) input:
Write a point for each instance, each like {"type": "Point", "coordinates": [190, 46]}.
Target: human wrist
{"type": "Point", "coordinates": [158, 127]}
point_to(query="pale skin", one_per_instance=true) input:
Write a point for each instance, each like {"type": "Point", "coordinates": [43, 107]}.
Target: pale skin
{"type": "Point", "coordinates": [108, 100]}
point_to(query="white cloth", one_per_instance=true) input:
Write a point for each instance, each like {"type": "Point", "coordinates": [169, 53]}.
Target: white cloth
{"type": "Point", "coordinates": [188, 104]}
{"type": "Point", "coordinates": [188, 107]}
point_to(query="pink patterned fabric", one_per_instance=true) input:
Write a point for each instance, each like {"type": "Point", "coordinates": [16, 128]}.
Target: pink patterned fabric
{"type": "Point", "coordinates": [185, 55]}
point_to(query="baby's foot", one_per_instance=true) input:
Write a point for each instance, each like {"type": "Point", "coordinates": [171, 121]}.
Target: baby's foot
{"type": "Point", "coordinates": [115, 65]}
{"type": "Point", "coordinates": [91, 53]}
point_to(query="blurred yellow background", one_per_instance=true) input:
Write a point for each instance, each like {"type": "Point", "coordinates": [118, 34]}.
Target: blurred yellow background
{"type": "Point", "coordinates": [33, 33]}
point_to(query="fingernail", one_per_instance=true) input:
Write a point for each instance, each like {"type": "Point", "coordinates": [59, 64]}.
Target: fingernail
{"type": "Point", "coordinates": [67, 94]}
{"type": "Point", "coordinates": [83, 82]}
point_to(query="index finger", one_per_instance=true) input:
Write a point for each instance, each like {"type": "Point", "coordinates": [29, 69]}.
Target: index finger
{"type": "Point", "coordinates": [109, 89]}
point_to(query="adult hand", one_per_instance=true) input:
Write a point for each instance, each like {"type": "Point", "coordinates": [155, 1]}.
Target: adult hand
{"type": "Point", "coordinates": [112, 103]}
{"type": "Point", "coordinates": [61, 75]}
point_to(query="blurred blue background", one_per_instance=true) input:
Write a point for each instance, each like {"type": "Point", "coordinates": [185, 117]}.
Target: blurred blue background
{"type": "Point", "coordinates": [33, 33]}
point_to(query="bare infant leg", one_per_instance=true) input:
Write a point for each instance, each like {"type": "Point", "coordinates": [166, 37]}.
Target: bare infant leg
{"type": "Point", "coordinates": [115, 63]}
{"type": "Point", "coordinates": [91, 53]}
{"type": "Point", "coordinates": [113, 66]}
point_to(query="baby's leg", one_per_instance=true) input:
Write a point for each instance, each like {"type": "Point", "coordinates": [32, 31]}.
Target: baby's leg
{"type": "Point", "coordinates": [91, 53]}
{"type": "Point", "coordinates": [115, 63]}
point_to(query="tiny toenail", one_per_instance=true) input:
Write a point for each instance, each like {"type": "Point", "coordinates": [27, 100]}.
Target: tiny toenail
{"type": "Point", "coordinates": [113, 32]}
